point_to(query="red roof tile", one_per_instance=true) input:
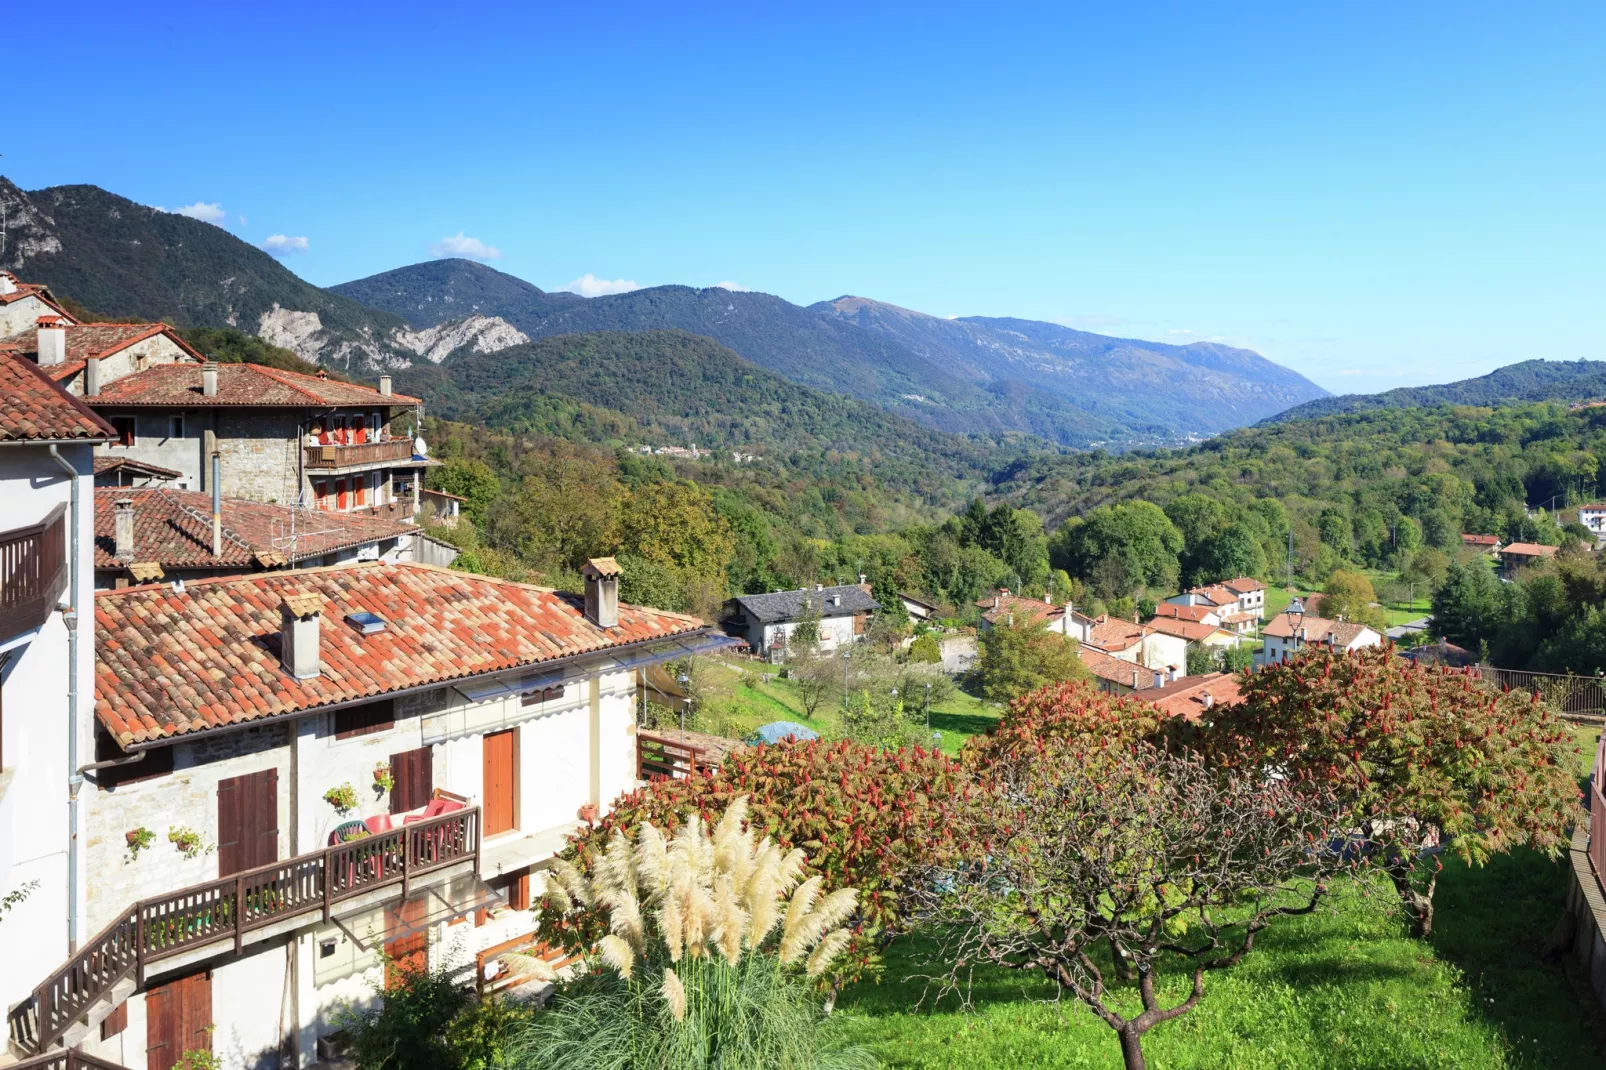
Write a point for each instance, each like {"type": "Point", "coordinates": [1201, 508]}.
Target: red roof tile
{"type": "Point", "coordinates": [34, 409]}
{"type": "Point", "coordinates": [169, 664]}
{"type": "Point", "coordinates": [85, 340]}
{"type": "Point", "coordinates": [241, 384]}
{"type": "Point", "coordinates": [174, 529]}
{"type": "Point", "coordinates": [1191, 630]}
{"type": "Point", "coordinates": [1528, 549]}
{"type": "Point", "coordinates": [1116, 671]}
{"type": "Point", "coordinates": [1113, 633]}
{"type": "Point", "coordinates": [1024, 610]}
{"type": "Point", "coordinates": [104, 465]}
{"type": "Point", "coordinates": [1192, 695]}
{"type": "Point", "coordinates": [1196, 613]}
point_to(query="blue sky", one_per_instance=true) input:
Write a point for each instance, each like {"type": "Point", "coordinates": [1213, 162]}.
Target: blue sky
{"type": "Point", "coordinates": [1373, 194]}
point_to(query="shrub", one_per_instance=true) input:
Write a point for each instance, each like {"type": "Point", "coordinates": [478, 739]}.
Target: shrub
{"type": "Point", "coordinates": [925, 650]}
{"type": "Point", "coordinates": [1421, 757]}
{"type": "Point", "coordinates": [1060, 716]}
{"type": "Point", "coordinates": [867, 817]}
{"type": "Point", "coordinates": [707, 941]}
{"type": "Point", "coordinates": [1015, 659]}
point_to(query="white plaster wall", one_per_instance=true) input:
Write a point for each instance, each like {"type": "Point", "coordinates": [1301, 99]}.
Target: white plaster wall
{"type": "Point", "coordinates": [186, 797]}
{"type": "Point", "coordinates": [617, 738]}
{"type": "Point", "coordinates": [148, 353]}
{"type": "Point", "coordinates": [326, 762]}
{"type": "Point", "coordinates": [555, 778]}
{"type": "Point", "coordinates": [1160, 651]}
{"type": "Point", "coordinates": [19, 316]}
{"type": "Point", "coordinates": [251, 1009]}
{"type": "Point", "coordinates": [34, 823]}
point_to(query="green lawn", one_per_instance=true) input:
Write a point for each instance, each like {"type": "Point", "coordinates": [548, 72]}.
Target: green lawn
{"type": "Point", "coordinates": [734, 706]}
{"type": "Point", "coordinates": [1277, 600]}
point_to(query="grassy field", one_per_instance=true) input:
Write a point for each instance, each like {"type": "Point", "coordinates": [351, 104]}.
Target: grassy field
{"type": "Point", "coordinates": [1342, 989]}
{"type": "Point", "coordinates": [1277, 600]}
{"type": "Point", "coordinates": [741, 695]}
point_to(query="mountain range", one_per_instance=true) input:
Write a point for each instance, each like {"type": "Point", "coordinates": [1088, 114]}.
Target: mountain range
{"type": "Point", "coordinates": [995, 377]}
{"type": "Point", "coordinates": [1528, 380]}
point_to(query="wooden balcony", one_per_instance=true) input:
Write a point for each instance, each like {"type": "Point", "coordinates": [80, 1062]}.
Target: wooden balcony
{"type": "Point", "coordinates": [33, 572]}
{"type": "Point", "coordinates": [228, 909]}
{"type": "Point", "coordinates": [64, 1059]}
{"type": "Point", "coordinates": [326, 458]}
{"type": "Point", "coordinates": [659, 757]}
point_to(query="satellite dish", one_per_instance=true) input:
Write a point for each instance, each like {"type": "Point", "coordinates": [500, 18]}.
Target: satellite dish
{"type": "Point", "coordinates": [419, 447]}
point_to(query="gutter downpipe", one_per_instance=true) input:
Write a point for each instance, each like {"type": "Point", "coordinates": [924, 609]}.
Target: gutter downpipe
{"type": "Point", "coordinates": [75, 777]}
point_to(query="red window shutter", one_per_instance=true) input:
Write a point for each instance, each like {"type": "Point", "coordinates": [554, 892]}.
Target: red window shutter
{"type": "Point", "coordinates": [414, 775]}
{"type": "Point", "coordinates": [342, 496]}
{"type": "Point", "coordinates": [248, 822]}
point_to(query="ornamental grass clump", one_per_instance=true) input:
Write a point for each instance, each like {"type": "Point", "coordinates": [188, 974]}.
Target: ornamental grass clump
{"type": "Point", "coordinates": [709, 942]}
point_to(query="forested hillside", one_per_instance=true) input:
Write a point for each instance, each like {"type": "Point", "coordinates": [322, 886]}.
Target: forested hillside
{"type": "Point", "coordinates": [1529, 380]}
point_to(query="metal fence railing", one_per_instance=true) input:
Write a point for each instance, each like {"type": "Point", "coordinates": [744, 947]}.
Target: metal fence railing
{"type": "Point", "coordinates": [1575, 695]}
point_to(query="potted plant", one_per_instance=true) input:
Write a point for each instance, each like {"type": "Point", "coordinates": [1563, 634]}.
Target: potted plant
{"type": "Point", "coordinates": [137, 840]}
{"type": "Point", "coordinates": [187, 840]}
{"type": "Point", "coordinates": [343, 798]}
{"type": "Point", "coordinates": [384, 780]}
{"type": "Point", "coordinates": [588, 813]}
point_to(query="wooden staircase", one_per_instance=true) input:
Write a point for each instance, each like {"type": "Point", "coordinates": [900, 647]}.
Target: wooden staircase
{"type": "Point", "coordinates": [112, 966]}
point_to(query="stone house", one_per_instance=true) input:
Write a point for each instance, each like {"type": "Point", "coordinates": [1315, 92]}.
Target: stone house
{"type": "Point", "coordinates": [150, 534]}
{"type": "Point", "coordinates": [298, 771]}
{"type": "Point", "coordinates": [47, 439]}
{"type": "Point", "coordinates": [22, 303]}
{"type": "Point", "coordinates": [766, 621]}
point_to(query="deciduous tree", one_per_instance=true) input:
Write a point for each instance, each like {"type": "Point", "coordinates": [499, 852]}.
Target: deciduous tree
{"type": "Point", "coordinates": [1018, 657]}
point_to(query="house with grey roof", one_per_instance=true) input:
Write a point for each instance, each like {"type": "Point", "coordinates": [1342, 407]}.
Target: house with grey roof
{"type": "Point", "coordinates": [766, 621]}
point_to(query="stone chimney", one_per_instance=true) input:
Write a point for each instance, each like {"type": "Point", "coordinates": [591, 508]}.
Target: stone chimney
{"type": "Point", "coordinates": [384, 385]}
{"type": "Point", "coordinates": [602, 591]}
{"type": "Point", "coordinates": [819, 587]}
{"type": "Point", "coordinates": [209, 379]}
{"type": "Point", "coordinates": [299, 615]}
{"type": "Point", "coordinates": [92, 377]}
{"type": "Point", "coordinates": [123, 528]}
{"type": "Point", "coordinates": [52, 341]}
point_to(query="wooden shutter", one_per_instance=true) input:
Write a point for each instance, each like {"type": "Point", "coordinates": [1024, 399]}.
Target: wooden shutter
{"type": "Point", "coordinates": [247, 822]}
{"type": "Point", "coordinates": [178, 1018]}
{"type": "Point", "coordinates": [501, 782]}
{"type": "Point", "coordinates": [342, 496]}
{"type": "Point", "coordinates": [414, 773]}
{"type": "Point", "coordinates": [115, 1022]}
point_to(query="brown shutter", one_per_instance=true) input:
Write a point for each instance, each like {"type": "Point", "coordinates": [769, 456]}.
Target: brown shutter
{"type": "Point", "coordinates": [414, 775]}
{"type": "Point", "coordinates": [500, 785]}
{"type": "Point", "coordinates": [247, 822]}
{"type": "Point", "coordinates": [178, 1018]}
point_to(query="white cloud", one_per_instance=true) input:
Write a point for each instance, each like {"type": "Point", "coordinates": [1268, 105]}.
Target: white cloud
{"type": "Point", "coordinates": [736, 286]}
{"type": "Point", "coordinates": [284, 245]}
{"type": "Point", "coordinates": [588, 285]}
{"type": "Point", "coordinates": [1177, 330]}
{"type": "Point", "coordinates": [206, 213]}
{"type": "Point", "coordinates": [243, 223]}
{"type": "Point", "coordinates": [464, 246]}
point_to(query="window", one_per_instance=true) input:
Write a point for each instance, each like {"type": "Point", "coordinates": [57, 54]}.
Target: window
{"type": "Point", "coordinates": [175, 427]}
{"type": "Point", "coordinates": [376, 480]}
{"type": "Point", "coordinates": [158, 762]}
{"type": "Point", "coordinates": [376, 426]}
{"type": "Point", "coordinates": [365, 720]}
{"type": "Point", "coordinates": [124, 426]}
{"type": "Point", "coordinates": [338, 434]}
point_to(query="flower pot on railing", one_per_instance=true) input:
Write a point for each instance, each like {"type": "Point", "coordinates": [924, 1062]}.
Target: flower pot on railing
{"type": "Point", "coordinates": [588, 813]}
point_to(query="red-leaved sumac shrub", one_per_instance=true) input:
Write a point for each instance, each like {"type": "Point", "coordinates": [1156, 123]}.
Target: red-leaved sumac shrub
{"type": "Point", "coordinates": [1070, 715]}
{"type": "Point", "coordinates": [867, 818]}
{"type": "Point", "coordinates": [1423, 758]}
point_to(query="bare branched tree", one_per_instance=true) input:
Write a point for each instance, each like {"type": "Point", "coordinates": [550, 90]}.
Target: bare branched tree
{"type": "Point", "coordinates": [1154, 857]}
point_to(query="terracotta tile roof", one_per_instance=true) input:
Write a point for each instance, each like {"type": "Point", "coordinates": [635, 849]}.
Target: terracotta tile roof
{"type": "Point", "coordinates": [1318, 629]}
{"type": "Point", "coordinates": [1484, 540]}
{"type": "Point", "coordinates": [1528, 549]}
{"type": "Point", "coordinates": [103, 465]}
{"type": "Point", "coordinates": [85, 340]}
{"type": "Point", "coordinates": [1192, 695]}
{"type": "Point", "coordinates": [1025, 610]}
{"type": "Point", "coordinates": [241, 384]}
{"type": "Point", "coordinates": [1243, 584]}
{"type": "Point", "coordinates": [1218, 593]}
{"type": "Point", "coordinates": [173, 528]}
{"type": "Point", "coordinates": [31, 289]}
{"type": "Point", "coordinates": [34, 409]}
{"type": "Point", "coordinates": [1110, 633]}
{"type": "Point", "coordinates": [1192, 631]}
{"type": "Point", "coordinates": [1125, 673]}
{"type": "Point", "coordinates": [170, 665]}
{"type": "Point", "coordinates": [1197, 613]}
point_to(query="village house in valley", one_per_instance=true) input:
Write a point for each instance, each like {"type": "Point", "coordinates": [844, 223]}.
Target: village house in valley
{"type": "Point", "coordinates": [1007, 609]}
{"type": "Point", "coordinates": [1290, 632]}
{"type": "Point", "coordinates": [766, 621]}
{"type": "Point", "coordinates": [1239, 603]}
{"type": "Point", "coordinates": [391, 755]}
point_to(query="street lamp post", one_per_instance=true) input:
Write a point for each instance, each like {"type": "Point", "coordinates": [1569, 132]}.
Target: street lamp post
{"type": "Point", "coordinates": [1296, 621]}
{"type": "Point", "coordinates": [685, 700]}
{"type": "Point", "coordinates": [845, 656]}
{"type": "Point", "coordinates": [928, 709]}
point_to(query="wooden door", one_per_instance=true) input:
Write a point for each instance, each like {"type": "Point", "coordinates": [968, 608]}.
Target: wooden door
{"type": "Point", "coordinates": [501, 782]}
{"type": "Point", "coordinates": [178, 1019]}
{"type": "Point", "coordinates": [247, 822]}
{"type": "Point", "coordinates": [408, 954]}
{"type": "Point", "coordinates": [414, 774]}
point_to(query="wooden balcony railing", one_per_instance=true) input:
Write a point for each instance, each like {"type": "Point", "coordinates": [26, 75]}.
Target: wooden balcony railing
{"type": "Point", "coordinates": [229, 908]}
{"type": "Point", "coordinates": [660, 756]}
{"type": "Point", "coordinates": [33, 572]}
{"type": "Point", "coordinates": [64, 1059]}
{"type": "Point", "coordinates": [396, 449]}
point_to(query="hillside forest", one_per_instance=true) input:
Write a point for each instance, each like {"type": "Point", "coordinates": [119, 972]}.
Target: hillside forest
{"type": "Point", "coordinates": [1385, 492]}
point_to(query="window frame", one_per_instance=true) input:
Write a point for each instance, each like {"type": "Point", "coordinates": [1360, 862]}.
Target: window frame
{"type": "Point", "coordinates": [367, 715]}
{"type": "Point", "coordinates": [175, 425]}
{"type": "Point", "coordinates": [127, 428]}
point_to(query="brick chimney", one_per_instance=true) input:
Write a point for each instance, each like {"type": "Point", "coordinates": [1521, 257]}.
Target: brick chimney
{"type": "Point", "coordinates": [52, 341]}
{"type": "Point", "coordinates": [299, 615]}
{"type": "Point", "coordinates": [602, 591]}
{"type": "Point", "coordinates": [209, 379]}
{"type": "Point", "coordinates": [123, 528]}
